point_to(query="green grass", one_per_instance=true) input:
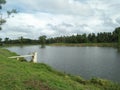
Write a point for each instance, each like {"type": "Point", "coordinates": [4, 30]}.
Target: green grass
{"type": "Point", "coordinates": [86, 44]}
{"type": "Point", "coordinates": [16, 75]}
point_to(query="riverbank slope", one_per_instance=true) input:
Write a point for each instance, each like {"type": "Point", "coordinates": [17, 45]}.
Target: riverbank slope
{"type": "Point", "coordinates": [17, 75]}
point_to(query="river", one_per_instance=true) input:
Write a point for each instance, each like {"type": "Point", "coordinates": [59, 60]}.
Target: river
{"type": "Point", "coordinates": [103, 62]}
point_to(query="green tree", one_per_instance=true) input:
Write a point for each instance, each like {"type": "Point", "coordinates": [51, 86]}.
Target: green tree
{"type": "Point", "coordinates": [2, 2]}
{"type": "Point", "coordinates": [42, 40]}
{"type": "Point", "coordinates": [21, 40]}
{"type": "Point", "coordinates": [92, 38]}
{"type": "Point", "coordinates": [6, 40]}
{"type": "Point", "coordinates": [11, 12]}
{"type": "Point", "coordinates": [0, 41]}
{"type": "Point", "coordinates": [116, 34]}
{"type": "Point", "coordinates": [2, 20]}
{"type": "Point", "coordinates": [119, 38]}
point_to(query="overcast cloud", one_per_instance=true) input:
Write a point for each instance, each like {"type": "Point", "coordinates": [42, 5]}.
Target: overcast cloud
{"type": "Point", "coordinates": [60, 17]}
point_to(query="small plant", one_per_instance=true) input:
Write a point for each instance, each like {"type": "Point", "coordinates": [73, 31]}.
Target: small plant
{"type": "Point", "coordinates": [22, 60]}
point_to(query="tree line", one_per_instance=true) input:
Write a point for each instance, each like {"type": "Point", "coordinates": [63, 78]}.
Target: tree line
{"type": "Point", "coordinates": [102, 37]}
{"type": "Point", "coordinates": [21, 40]}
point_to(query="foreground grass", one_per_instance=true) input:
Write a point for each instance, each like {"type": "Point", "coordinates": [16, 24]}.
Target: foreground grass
{"type": "Point", "coordinates": [86, 44]}
{"type": "Point", "coordinates": [16, 75]}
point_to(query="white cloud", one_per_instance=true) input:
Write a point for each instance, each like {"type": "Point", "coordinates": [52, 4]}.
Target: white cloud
{"type": "Point", "coordinates": [61, 17]}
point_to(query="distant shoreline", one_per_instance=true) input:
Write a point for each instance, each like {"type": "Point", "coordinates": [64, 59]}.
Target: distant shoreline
{"type": "Point", "coordinates": [85, 44]}
{"type": "Point", "coordinates": [70, 44]}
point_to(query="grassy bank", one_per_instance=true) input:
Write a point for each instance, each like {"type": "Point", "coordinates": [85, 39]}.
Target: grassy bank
{"type": "Point", "coordinates": [86, 44]}
{"type": "Point", "coordinates": [16, 75]}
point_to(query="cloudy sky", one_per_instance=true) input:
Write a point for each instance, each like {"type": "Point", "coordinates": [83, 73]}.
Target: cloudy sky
{"type": "Point", "coordinates": [60, 17]}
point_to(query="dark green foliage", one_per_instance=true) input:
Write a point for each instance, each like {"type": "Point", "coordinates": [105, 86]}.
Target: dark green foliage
{"type": "Point", "coordinates": [92, 38]}
{"type": "Point", "coordinates": [6, 40]}
{"type": "Point", "coordinates": [2, 2]}
{"type": "Point", "coordinates": [20, 41]}
{"type": "Point", "coordinates": [103, 37]}
{"type": "Point", "coordinates": [117, 35]}
{"type": "Point", "coordinates": [42, 40]}
{"type": "Point", "coordinates": [1, 19]}
{"type": "Point", "coordinates": [13, 11]}
{"type": "Point", "coordinates": [0, 41]}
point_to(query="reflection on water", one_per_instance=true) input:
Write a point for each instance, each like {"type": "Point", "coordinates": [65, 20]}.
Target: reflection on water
{"type": "Point", "coordinates": [118, 49]}
{"type": "Point", "coordinates": [85, 61]}
{"type": "Point", "coordinates": [42, 46]}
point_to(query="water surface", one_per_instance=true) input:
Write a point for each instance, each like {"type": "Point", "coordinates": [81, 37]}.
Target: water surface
{"type": "Point", "coordinates": [103, 62]}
